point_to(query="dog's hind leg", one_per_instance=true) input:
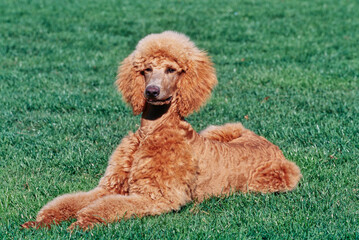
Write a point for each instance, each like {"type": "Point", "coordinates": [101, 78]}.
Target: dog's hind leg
{"type": "Point", "coordinates": [274, 176]}
{"type": "Point", "coordinates": [224, 133]}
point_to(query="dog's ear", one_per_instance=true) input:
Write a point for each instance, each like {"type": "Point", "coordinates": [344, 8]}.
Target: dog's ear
{"type": "Point", "coordinates": [131, 84]}
{"type": "Point", "coordinates": [195, 86]}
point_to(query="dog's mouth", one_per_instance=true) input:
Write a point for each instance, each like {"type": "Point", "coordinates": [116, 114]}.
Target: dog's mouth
{"type": "Point", "coordinates": [154, 101]}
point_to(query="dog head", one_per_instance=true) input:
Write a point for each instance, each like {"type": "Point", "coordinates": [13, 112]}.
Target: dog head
{"type": "Point", "coordinates": [166, 68]}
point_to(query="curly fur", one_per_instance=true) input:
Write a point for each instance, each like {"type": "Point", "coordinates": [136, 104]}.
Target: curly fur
{"type": "Point", "coordinates": [165, 163]}
{"type": "Point", "coordinates": [193, 89]}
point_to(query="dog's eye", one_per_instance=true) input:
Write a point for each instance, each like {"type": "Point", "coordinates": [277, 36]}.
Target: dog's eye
{"type": "Point", "coordinates": [170, 70]}
{"type": "Point", "coordinates": [146, 71]}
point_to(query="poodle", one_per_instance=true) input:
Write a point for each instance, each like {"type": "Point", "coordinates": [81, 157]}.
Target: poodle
{"type": "Point", "coordinates": [166, 164]}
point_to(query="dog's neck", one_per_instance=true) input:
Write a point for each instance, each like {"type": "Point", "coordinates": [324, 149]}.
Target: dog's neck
{"type": "Point", "coordinates": [156, 115]}
{"type": "Point", "coordinates": [154, 112]}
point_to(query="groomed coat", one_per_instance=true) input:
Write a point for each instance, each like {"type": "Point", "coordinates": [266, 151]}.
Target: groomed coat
{"type": "Point", "coordinates": [166, 163]}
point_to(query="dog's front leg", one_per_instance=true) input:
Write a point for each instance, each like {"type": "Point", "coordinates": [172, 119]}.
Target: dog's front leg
{"type": "Point", "coordinates": [116, 207]}
{"type": "Point", "coordinates": [119, 166]}
{"type": "Point", "coordinates": [64, 207]}
{"type": "Point", "coordinates": [115, 181]}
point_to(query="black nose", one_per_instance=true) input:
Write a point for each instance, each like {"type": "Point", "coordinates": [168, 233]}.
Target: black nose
{"type": "Point", "coordinates": [152, 91]}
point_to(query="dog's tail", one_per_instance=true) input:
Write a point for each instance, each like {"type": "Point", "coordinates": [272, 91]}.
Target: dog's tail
{"type": "Point", "coordinates": [224, 133]}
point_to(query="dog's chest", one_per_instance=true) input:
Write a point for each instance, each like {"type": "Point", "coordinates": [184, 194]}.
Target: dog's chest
{"type": "Point", "coordinates": [161, 162]}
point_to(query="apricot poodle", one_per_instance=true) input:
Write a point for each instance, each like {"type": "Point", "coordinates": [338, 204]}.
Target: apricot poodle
{"type": "Point", "coordinates": [166, 163]}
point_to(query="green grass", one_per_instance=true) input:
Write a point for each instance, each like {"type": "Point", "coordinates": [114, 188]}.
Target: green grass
{"type": "Point", "coordinates": [292, 67]}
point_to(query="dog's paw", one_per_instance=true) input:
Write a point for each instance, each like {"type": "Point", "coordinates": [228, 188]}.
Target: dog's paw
{"type": "Point", "coordinates": [81, 225]}
{"type": "Point", "coordinates": [29, 224]}
{"type": "Point", "coordinates": [35, 224]}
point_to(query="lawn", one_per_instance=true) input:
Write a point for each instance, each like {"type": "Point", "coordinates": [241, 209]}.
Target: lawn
{"type": "Point", "coordinates": [288, 70]}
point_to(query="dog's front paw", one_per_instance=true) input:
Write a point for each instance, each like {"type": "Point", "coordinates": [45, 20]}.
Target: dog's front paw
{"type": "Point", "coordinates": [84, 223]}
{"type": "Point", "coordinates": [35, 224]}
{"type": "Point", "coordinates": [44, 220]}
